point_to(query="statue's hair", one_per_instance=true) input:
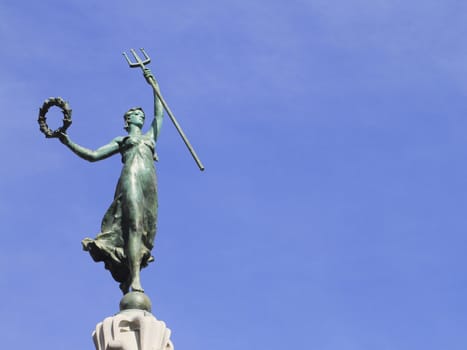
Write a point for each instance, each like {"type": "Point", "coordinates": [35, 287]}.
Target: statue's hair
{"type": "Point", "coordinates": [127, 113]}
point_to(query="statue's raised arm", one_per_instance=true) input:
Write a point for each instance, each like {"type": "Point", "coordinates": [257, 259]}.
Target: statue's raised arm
{"type": "Point", "coordinates": [156, 124]}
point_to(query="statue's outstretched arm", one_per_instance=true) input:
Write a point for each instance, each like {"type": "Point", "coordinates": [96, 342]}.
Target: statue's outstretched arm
{"type": "Point", "coordinates": [91, 155]}
{"type": "Point", "coordinates": [158, 109]}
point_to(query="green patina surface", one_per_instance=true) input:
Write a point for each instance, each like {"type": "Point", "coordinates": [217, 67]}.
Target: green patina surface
{"type": "Point", "coordinates": [129, 226]}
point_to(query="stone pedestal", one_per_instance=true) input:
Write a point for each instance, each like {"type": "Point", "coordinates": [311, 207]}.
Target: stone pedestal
{"type": "Point", "coordinates": [132, 329]}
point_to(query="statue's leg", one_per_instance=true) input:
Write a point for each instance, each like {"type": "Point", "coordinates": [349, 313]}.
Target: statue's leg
{"type": "Point", "coordinates": [133, 215]}
{"type": "Point", "coordinates": [134, 254]}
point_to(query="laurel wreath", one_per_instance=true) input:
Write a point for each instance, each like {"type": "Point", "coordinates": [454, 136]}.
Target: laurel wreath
{"type": "Point", "coordinates": [42, 120]}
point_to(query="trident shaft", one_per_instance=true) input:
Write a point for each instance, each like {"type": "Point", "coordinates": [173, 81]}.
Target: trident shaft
{"type": "Point", "coordinates": [141, 63]}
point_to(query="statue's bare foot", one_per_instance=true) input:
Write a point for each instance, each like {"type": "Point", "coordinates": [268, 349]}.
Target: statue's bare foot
{"type": "Point", "coordinates": [136, 285]}
{"type": "Point", "coordinates": [137, 288]}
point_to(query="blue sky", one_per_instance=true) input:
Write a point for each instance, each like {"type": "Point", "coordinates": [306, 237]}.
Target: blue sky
{"type": "Point", "coordinates": [332, 212]}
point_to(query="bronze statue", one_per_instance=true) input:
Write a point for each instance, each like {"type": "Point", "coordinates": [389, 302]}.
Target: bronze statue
{"type": "Point", "coordinates": [128, 228]}
{"type": "Point", "coordinates": [129, 225]}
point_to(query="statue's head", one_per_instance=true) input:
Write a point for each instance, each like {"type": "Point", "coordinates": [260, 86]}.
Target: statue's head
{"type": "Point", "coordinates": [134, 116]}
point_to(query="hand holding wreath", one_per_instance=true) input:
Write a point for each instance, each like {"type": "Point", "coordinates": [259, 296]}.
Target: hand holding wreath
{"type": "Point", "coordinates": [66, 110]}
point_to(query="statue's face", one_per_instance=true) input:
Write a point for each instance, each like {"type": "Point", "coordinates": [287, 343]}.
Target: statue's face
{"type": "Point", "coordinates": [136, 118]}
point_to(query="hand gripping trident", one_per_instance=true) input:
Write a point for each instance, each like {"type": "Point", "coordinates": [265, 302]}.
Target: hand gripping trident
{"type": "Point", "coordinates": [141, 63]}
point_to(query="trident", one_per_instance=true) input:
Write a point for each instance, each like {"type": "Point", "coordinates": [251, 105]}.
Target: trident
{"type": "Point", "coordinates": [142, 63]}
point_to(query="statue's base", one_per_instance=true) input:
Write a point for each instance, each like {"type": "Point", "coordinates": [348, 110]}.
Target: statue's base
{"type": "Point", "coordinates": [134, 328]}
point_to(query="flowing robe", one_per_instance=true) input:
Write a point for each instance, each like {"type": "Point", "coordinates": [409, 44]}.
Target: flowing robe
{"type": "Point", "coordinates": [132, 212]}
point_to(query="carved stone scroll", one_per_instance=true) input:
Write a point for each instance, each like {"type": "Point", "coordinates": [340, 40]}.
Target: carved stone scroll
{"type": "Point", "coordinates": [132, 330]}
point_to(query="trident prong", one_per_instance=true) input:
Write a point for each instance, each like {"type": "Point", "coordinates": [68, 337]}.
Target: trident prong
{"type": "Point", "coordinates": [146, 56]}
{"type": "Point", "coordinates": [141, 63]}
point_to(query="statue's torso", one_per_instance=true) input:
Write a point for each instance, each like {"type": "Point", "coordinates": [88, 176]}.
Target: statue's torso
{"type": "Point", "coordinates": [137, 148]}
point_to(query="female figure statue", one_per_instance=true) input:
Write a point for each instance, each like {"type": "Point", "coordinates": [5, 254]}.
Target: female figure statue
{"type": "Point", "coordinates": [129, 225]}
